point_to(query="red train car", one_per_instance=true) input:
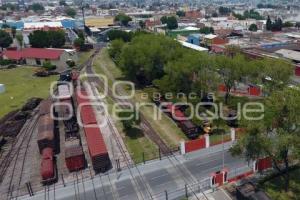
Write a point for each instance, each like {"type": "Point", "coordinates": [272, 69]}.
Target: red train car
{"type": "Point", "coordinates": [48, 167]}
{"type": "Point", "coordinates": [97, 149]}
{"type": "Point", "coordinates": [74, 155]}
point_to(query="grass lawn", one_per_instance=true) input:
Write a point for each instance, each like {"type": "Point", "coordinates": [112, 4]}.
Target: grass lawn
{"type": "Point", "coordinates": [21, 85]}
{"type": "Point", "coordinates": [84, 56]}
{"type": "Point", "coordinates": [135, 140]}
{"type": "Point", "coordinates": [165, 127]}
{"type": "Point", "coordinates": [275, 187]}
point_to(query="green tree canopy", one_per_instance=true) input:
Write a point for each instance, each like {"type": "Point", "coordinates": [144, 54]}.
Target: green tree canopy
{"type": "Point", "coordinates": [277, 136]}
{"type": "Point", "coordinates": [71, 12]}
{"type": "Point", "coordinates": [37, 7]}
{"type": "Point", "coordinates": [115, 49]}
{"type": "Point", "coordinates": [172, 23]}
{"type": "Point", "coordinates": [253, 27]}
{"type": "Point", "coordinates": [5, 39]}
{"type": "Point", "coordinates": [145, 57]}
{"type": "Point", "coordinates": [119, 34]}
{"type": "Point", "coordinates": [207, 30]}
{"type": "Point", "coordinates": [224, 10]}
{"type": "Point", "coordinates": [123, 19]}
{"type": "Point", "coordinates": [180, 13]}
{"type": "Point", "coordinates": [42, 39]}
{"type": "Point", "coordinates": [62, 3]}
{"type": "Point", "coordinates": [57, 39]}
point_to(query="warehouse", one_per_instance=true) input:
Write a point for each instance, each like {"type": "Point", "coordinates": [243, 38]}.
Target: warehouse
{"type": "Point", "coordinates": [37, 56]}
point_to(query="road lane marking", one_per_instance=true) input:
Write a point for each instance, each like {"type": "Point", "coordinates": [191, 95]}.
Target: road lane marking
{"type": "Point", "coordinates": [156, 177]}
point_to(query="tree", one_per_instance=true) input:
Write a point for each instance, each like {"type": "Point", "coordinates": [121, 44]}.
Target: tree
{"type": "Point", "coordinates": [142, 24]}
{"type": "Point", "coordinates": [207, 30]}
{"type": "Point", "coordinates": [277, 136]}
{"type": "Point", "coordinates": [37, 7]}
{"type": "Point", "coordinates": [71, 63]}
{"type": "Point", "coordinates": [253, 27]}
{"type": "Point", "coordinates": [71, 12]}
{"type": "Point", "coordinates": [56, 38]}
{"type": "Point", "coordinates": [269, 24]}
{"type": "Point", "coordinates": [128, 119]}
{"type": "Point", "coordinates": [180, 13]}
{"type": "Point", "coordinates": [164, 19]}
{"type": "Point", "coordinates": [275, 73]}
{"type": "Point", "coordinates": [231, 69]}
{"type": "Point", "coordinates": [172, 23]}
{"type": "Point", "coordinates": [119, 34]}
{"type": "Point", "coordinates": [224, 10]}
{"type": "Point", "coordinates": [62, 3]}
{"type": "Point", "coordinates": [115, 49]}
{"type": "Point", "coordinates": [123, 19]}
{"type": "Point", "coordinates": [277, 25]}
{"type": "Point", "coordinates": [288, 24]}
{"type": "Point", "coordinates": [4, 26]}
{"type": "Point", "coordinates": [39, 39]}
{"type": "Point", "coordinates": [48, 66]}
{"type": "Point", "coordinates": [42, 39]}
{"type": "Point", "coordinates": [13, 31]}
{"type": "Point", "coordinates": [297, 25]}
{"type": "Point", "coordinates": [5, 39]}
{"type": "Point", "coordinates": [79, 43]}
{"type": "Point", "coordinates": [19, 38]}
{"type": "Point", "coordinates": [144, 58]}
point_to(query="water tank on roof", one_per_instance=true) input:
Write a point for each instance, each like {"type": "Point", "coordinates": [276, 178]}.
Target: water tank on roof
{"type": "Point", "coordinates": [2, 88]}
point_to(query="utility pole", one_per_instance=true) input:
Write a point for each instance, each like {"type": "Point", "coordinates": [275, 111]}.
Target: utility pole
{"type": "Point", "coordinates": [82, 10]}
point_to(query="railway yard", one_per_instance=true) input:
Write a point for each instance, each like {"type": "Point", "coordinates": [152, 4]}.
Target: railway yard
{"type": "Point", "coordinates": [48, 153]}
{"type": "Point", "coordinates": [71, 137]}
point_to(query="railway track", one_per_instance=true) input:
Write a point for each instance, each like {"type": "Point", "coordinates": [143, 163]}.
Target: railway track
{"type": "Point", "coordinates": [11, 167]}
{"type": "Point", "coordinates": [145, 125]}
{"type": "Point", "coordinates": [147, 128]}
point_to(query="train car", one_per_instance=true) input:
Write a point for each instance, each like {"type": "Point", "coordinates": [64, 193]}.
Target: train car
{"type": "Point", "coordinates": [189, 128]}
{"type": "Point", "coordinates": [45, 107]}
{"type": "Point", "coordinates": [48, 167]}
{"type": "Point", "coordinates": [97, 149]}
{"type": "Point", "coordinates": [46, 136]}
{"type": "Point", "coordinates": [74, 155]}
{"type": "Point", "coordinates": [63, 92]}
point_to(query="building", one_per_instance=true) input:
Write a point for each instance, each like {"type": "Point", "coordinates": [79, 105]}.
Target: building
{"type": "Point", "coordinates": [194, 39]}
{"type": "Point", "coordinates": [211, 39]}
{"type": "Point", "coordinates": [38, 56]}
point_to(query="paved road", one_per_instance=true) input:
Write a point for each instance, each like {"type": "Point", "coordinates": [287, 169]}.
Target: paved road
{"type": "Point", "coordinates": [151, 180]}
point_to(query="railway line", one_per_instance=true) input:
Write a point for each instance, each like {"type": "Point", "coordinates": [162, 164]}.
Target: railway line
{"type": "Point", "coordinates": [12, 168]}
{"type": "Point", "coordinates": [145, 125]}
{"type": "Point", "coordinates": [147, 128]}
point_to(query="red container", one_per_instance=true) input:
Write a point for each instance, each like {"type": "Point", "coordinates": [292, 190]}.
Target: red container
{"type": "Point", "coordinates": [47, 153]}
{"type": "Point", "coordinates": [74, 155]}
{"type": "Point", "coordinates": [97, 148]}
{"type": "Point", "coordinates": [47, 169]}
{"type": "Point", "coordinates": [87, 115]}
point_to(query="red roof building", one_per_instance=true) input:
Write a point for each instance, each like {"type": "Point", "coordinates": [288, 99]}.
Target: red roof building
{"type": "Point", "coordinates": [35, 53]}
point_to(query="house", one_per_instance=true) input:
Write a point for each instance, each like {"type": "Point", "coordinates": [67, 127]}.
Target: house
{"type": "Point", "coordinates": [38, 56]}
{"type": "Point", "coordinates": [194, 39]}
{"type": "Point", "coordinates": [211, 39]}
